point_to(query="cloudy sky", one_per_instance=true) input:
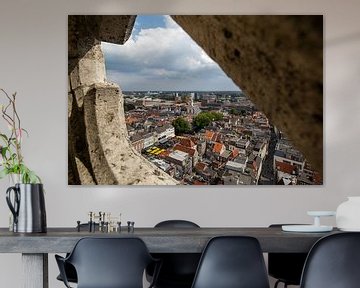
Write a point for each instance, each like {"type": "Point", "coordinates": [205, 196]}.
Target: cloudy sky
{"type": "Point", "coordinates": [160, 56]}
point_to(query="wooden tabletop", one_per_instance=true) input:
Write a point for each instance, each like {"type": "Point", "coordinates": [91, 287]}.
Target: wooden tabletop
{"type": "Point", "coordinates": [158, 240]}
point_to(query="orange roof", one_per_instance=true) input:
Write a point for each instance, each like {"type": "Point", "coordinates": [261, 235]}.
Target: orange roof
{"type": "Point", "coordinates": [218, 147]}
{"type": "Point", "coordinates": [200, 166]}
{"type": "Point", "coordinates": [194, 139]}
{"type": "Point", "coordinates": [131, 119]}
{"type": "Point", "coordinates": [209, 135]}
{"type": "Point", "coordinates": [185, 149]}
{"type": "Point", "coordinates": [164, 154]}
{"type": "Point", "coordinates": [285, 167]}
{"type": "Point", "coordinates": [212, 136]}
{"type": "Point", "coordinates": [235, 152]}
{"type": "Point", "coordinates": [187, 142]}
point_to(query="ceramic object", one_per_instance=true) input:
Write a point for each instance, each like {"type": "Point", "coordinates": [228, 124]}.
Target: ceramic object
{"type": "Point", "coordinates": [348, 214]}
{"type": "Point", "coordinates": [306, 228]}
{"type": "Point", "coordinates": [316, 227]}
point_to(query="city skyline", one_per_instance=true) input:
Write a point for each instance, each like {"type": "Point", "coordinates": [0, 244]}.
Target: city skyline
{"type": "Point", "coordinates": [160, 56]}
{"type": "Point", "coordinates": [213, 138]}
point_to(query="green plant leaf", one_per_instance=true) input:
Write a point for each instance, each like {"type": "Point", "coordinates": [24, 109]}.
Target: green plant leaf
{"type": "Point", "coordinates": [4, 173]}
{"type": "Point", "coordinates": [3, 151]}
{"type": "Point", "coordinates": [26, 132]}
{"type": "Point", "coordinates": [4, 137]}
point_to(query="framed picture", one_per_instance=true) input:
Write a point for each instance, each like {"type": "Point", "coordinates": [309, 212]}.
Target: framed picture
{"type": "Point", "coordinates": [195, 100]}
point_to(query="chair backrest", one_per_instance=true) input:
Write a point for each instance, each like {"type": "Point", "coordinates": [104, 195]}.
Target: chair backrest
{"type": "Point", "coordinates": [232, 262]}
{"type": "Point", "coordinates": [176, 224]}
{"type": "Point", "coordinates": [333, 262]}
{"type": "Point", "coordinates": [178, 269]}
{"type": "Point", "coordinates": [110, 262]}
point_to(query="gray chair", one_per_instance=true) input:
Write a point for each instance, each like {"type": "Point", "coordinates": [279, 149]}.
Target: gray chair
{"type": "Point", "coordinates": [232, 262]}
{"type": "Point", "coordinates": [108, 263]}
{"type": "Point", "coordinates": [178, 269]}
{"type": "Point", "coordinates": [333, 262]}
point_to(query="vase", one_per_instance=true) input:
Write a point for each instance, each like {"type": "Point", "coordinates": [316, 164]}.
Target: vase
{"type": "Point", "coordinates": [27, 205]}
{"type": "Point", "coordinates": [15, 179]}
{"type": "Point", "coordinates": [348, 214]}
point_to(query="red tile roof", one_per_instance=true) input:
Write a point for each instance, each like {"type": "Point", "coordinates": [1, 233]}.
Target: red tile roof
{"type": "Point", "coordinates": [235, 153]}
{"type": "Point", "coordinates": [185, 149]}
{"type": "Point", "coordinates": [218, 147]}
{"type": "Point", "coordinates": [164, 154]}
{"type": "Point", "coordinates": [209, 135]}
{"type": "Point", "coordinates": [285, 167]}
{"type": "Point", "coordinates": [212, 136]}
{"type": "Point", "coordinates": [187, 142]}
{"type": "Point", "coordinates": [200, 166]}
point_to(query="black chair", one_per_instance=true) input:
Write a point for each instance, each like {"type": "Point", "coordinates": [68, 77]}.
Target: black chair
{"type": "Point", "coordinates": [69, 269]}
{"type": "Point", "coordinates": [108, 263]}
{"type": "Point", "coordinates": [178, 269]}
{"type": "Point", "coordinates": [333, 262]}
{"type": "Point", "coordinates": [232, 262]}
{"type": "Point", "coordinates": [286, 267]}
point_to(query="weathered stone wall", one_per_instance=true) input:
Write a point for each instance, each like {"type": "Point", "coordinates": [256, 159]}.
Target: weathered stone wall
{"type": "Point", "coordinates": [278, 62]}
{"type": "Point", "coordinates": [99, 148]}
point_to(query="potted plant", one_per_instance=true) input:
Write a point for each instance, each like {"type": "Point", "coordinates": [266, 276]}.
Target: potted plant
{"type": "Point", "coordinates": [12, 161]}
{"type": "Point", "coordinates": [25, 197]}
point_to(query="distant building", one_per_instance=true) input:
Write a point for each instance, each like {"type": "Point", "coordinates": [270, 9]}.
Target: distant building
{"type": "Point", "coordinates": [238, 179]}
{"type": "Point", "coordinates": [165, 133]}
{"type": "Point", "coordinates": [206, 172]}
{"type": "Point", "coordinates": [181, 160]}
{"type": "Point", "coordinates": [187, 142]}
{"type": "Point", "coordinates": [286, 173]}
{"type": "Point", "coordinates": [163, 166]}
{"type": "Point", "coordinates": [234, 166]}
{"type": "Point", "coordinates": [242, 145]}
{"type": "Point", "coordinates": [237, 165]}
{"type": "Point", "coordinates": [260, 149]}
{"type": "Point", "coordinates": [218, 148]}
{"type": "Point", "coordinates": [225, 156]}
{"type": "Point", "coordinates": [149, 139]}
{"type": "Point", "coordinates": [193, 153]}
{"type": "Point", "coordinates": [284, 157]}
{"type": "Point", "coordinates": [137, 142]}
{"type": "Point", "coordinates": [212, 136]}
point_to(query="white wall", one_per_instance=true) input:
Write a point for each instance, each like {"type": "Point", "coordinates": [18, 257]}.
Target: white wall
{"type": "Point", "coordinates": [33, 62]}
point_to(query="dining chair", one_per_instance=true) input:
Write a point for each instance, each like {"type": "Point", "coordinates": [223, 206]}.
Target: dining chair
{"type": "Point", "coordinates": [285, 267]}
{"type": "Point", "coordinates": [70, 271]}
{"type": "Point", "coordinates": [333, 262]}
{"type": "Point", "coordinates": [108, 263]}
{"type": "Point", "coordinates": [232, 262]}
{"type": "Point", "coordinates": [178, 269]}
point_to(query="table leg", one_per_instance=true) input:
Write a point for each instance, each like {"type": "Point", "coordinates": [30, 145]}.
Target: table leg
{"type": "Point", "coordinates": [35, 270]}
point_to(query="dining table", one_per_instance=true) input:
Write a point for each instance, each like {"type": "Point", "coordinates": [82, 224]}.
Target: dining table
{"type": "Point", "coordinates": [35, 247]}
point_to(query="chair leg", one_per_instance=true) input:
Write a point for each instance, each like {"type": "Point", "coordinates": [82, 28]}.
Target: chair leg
{"type": "Point", "coordinates": [279, 281]}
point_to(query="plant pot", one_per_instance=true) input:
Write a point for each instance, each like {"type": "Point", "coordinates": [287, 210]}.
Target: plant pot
{"type": "Point", "coordinates": [348, 214]}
